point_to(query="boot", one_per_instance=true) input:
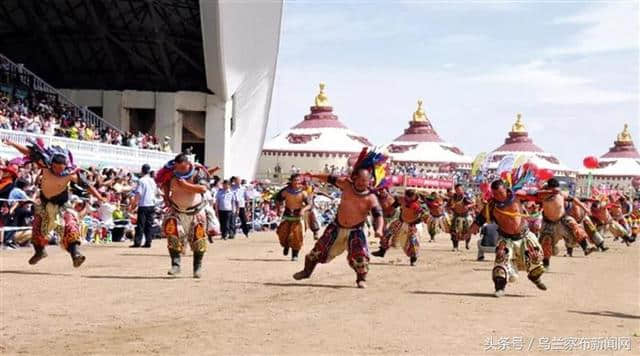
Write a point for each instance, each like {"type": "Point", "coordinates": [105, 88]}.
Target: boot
{"type": "Point", "coordinates": [626, 240]}
{"type": "Point", "coordinates": [175, 263]}
{"type": "Point", "coordinates": [76, 256]}
{"type": "Point", "coordinates": [412, 260]}
{"type": "Point", "coordinates": [361, 280]}
{"type": "Point", "coordinates": [380, 253]}
{"type": "Point", "coordinates": [466, 244]}
{"type": "Point", "coordinates": [309, 266]}
{"type": "Point", "coordinates": [285, 251]}
{"type": "Point", "coordinates": [538, 282]}
{"type": "Point", "coordinates": [455, 244]}
{"type": "Point", "coordinates": [602, 247]}
{"type": "Point", "coordinates": [38, 255]}
{"type": "Point", "coordinates": [197, 264]}
{"type": "Point", "coordinates": [294, 255]}
{"type": "Point", "coordinates": [570, 251]}
{"type": "Point", "coordinates": [500, 283]}
{"type": "Point", "coordinates": [585, 247]}
{"type": "Point", "coordinates": [545, 263]}
{"type": "Point", "coordinates": [535, 276]}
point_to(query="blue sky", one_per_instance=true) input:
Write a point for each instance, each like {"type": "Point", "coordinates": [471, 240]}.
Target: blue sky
{"type": "Point", "coordinates": [570, 67]}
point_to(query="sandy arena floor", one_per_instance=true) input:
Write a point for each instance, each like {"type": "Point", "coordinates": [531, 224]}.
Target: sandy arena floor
{"type": "Point", "coordinates": [121, 302]}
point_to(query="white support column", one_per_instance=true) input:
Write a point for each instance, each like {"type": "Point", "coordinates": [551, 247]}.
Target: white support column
{"type": "Point", "coordinates": [218, 134]}
{"type": "Point", "coordinates": [113, 110]}
{"type": "Point", "coordinates": [168, 120]}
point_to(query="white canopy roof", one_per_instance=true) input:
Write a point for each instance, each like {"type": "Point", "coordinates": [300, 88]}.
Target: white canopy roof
{"type": "Point", "coordinates": [323, 139]}
{"type": "Point", "coordinates": [428, 152]}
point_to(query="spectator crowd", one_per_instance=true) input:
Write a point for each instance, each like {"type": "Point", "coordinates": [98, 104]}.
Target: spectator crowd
{"type": "Point", "coordinates": [46, 118]}
{"type": "Point", "coordinates": [237, 205]}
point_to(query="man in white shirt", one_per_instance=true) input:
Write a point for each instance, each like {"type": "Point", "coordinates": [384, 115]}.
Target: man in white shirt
{"type": "Point", "coordinates": [144, 198]}
{"type": "Point", "coordinates": [240, 190]}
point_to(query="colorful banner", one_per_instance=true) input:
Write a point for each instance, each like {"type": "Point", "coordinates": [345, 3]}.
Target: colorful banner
{"type": "Point", "coordinates": [505, 164]}
{"type": "Point", "coordinates": [422, 182]}
{"type": "Point", "coordinates": [477, 162]}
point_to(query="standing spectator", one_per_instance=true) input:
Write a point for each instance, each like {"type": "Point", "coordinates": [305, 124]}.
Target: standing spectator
{"type": "Point", "coordinates": [225, 206]}
{"type": "Point", "coordinates": [166, 145]}
{"type": "Point", "coordinates": [240, 190]}
{"type": "Point", "coordinates": [144, 198]}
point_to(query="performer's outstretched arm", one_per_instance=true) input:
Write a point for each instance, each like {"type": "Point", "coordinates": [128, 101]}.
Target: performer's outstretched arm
{"type": "Point", "coordinates": [329, 178]}
{"type": "Point", "coordinates": [82, 181]}
{"type": "Point", "coordinates": [21, 148]}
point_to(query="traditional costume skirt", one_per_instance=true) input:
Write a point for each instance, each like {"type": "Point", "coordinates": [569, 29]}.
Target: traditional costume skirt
{"type": "Point", "coordinates": [182, 226]}
{"type": "Point", "coordinates": [438, 224]}
{"type": "Point", "coordinates": [290, 232]}
{"type": "Point", "coordinates": [49, 216]}
{"type": "Point", "coordinates": [335, 240]}
{"type": "Point", "coordinates": [521, 252]}
{"type": "Point", "coordinates": [404, 235]}
{"type": "Point", "coordinates": [566, 229]}
{"type": "Point", "coordinates": [460, 226]}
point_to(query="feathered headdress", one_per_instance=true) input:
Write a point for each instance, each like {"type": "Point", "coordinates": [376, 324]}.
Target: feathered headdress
{"type": "Point", "coordinates": [41, 153]}
{"type": "Point", "coordinates": [376, 163]}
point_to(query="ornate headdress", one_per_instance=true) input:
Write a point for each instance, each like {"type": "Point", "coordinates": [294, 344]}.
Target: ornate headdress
{"type": "Point", "coordinates": [376, 163]}
{"type": "Point", "coordinates": [45, 155]}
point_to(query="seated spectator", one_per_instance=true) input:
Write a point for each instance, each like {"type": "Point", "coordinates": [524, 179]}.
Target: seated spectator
{"type": "Point", "coordinates": [488, 240]}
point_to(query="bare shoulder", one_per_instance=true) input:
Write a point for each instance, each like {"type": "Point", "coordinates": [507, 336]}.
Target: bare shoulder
{"type": "Point", "coordinates": [373, 200]}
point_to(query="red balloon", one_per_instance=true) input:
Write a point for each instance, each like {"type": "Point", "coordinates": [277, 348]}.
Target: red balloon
{"type": "Point", "coordinates": [544, 174]}
{"type": "Point", "coordinates": [590, 162]}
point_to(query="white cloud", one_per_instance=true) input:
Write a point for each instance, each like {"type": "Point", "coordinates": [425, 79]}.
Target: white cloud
{"type": "Point", "coordinates": [610, 26]}
{"type": "Point", "coordinates": [546, 85]}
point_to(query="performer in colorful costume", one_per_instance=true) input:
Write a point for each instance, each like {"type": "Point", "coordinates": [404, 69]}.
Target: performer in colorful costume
{"type": "Point", "coordinates": [461, 205]}
{"type": "Point", "coordinates": [605, 223]}
{"type": "Point", "coordinates": [312, 216]}
{"type": "Point", "coordinates": [557, 224]}
{"type": "Point", "coordinates": [634, 220]}
{"type": "Point", "coordinates": [54, 210]}
{"type": "Point", "coordinates": [580, 212]}
{"type": "Point", "coordinates": [438, 220]}
{"type": "Point", "coordinates": [620, 208]}
{"type": "Point", "coordinates": [346, 232]}
{"type": "Point", "coordinates": [296, 203]}
{"type": "Point", "coordinates": [402, 232]}
{"type": "Point", "coordinates": [186, 219]}
{"type": "Point", "coordinates": [517, 248]}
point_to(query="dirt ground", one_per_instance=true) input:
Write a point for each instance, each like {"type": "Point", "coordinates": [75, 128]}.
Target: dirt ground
{"type": "Point", "coordinates": [121, 302]}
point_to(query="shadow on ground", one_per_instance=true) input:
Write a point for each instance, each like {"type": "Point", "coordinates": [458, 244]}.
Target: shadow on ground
{"type": "Point", "coordinates": [606, 313]}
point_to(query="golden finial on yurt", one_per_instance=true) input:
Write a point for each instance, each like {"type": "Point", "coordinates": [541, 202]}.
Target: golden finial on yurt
{"type": "Point", "coordinates": [518, 126]}
{"type": "Point", "coordinates": [321, 98]}
{"type": "Point", "coordinates": [419, 114]}
{"type": "Point", "coordinates": [625, 135]}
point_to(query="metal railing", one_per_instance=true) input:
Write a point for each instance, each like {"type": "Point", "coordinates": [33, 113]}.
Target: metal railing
{"type": "Point", "coordinates": [86, 153]}
{"type": "Point", "coordinates": [34, 82]}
